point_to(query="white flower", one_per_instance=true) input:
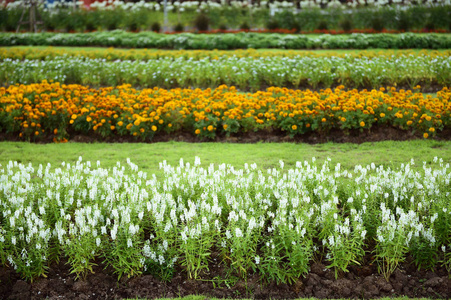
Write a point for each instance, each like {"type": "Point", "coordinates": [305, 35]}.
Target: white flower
{"type": "Point", "coordinates": [257, 260]}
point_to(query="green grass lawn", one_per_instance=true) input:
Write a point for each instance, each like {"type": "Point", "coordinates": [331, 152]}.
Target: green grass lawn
{"type": "Point", "coordinates": [265, 155]}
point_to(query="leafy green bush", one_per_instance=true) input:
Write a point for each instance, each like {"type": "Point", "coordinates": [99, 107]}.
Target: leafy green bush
{"type": "Point", "coordinates": [202, 22]}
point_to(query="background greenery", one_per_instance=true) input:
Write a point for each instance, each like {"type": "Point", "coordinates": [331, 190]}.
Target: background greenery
{"type": "Point", "coordinates": [415, 17]}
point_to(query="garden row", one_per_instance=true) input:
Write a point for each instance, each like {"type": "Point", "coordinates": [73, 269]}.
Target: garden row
{"type": "Point", "coordinates": [191, 15]}
{"type": "Point", "coordinates": [273, 222]}
{"type": "Point", "coordinates": [39, 111]}
{"type": "Point", "coordinates": [112, 54]}
{"type": "Point", "coordinates": [432, 72]}
{"type": "Point", "coordinates": [229, 40]}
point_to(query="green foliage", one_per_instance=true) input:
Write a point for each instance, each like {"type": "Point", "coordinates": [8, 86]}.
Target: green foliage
{"type": "Point", "coordinates": [155, 27]}
{"type": "Point", "coordinates": [346, 24]}
{"type": "Point", "coordinates": [230, 41]}
{"type": "Point", "coordinates": [202, 22]}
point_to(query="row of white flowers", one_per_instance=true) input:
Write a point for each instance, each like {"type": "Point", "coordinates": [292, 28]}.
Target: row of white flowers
{"type": "Point", "coordinates": [252, 220]}
{"type": "Point", "coordinates": [223, 4]}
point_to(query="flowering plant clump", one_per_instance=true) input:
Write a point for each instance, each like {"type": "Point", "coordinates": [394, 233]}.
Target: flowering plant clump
{"type": "Point", "coordinates": [273, 222]}
{"type": "Point", "coordinates": [58, 110]}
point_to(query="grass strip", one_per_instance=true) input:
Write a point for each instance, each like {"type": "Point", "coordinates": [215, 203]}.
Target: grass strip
{"type": "Point", "coordinates": [265, 155]}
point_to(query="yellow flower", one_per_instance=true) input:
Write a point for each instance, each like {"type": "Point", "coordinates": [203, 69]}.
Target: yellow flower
{"type": "Point", "coordinates": [225, 126]}
{"type": "Point", "coordinates": [197, 131]}
{"type": "Point", "coordinates": [89, 119]}
{"type": "Point", "coordinates": [425, 135]}
{"type": "Point", "coordinates": [142, 130]}
{"type": "Point", "coordinates": [210, 128]}
{"type": "Point", "coordinates": [55, 131]}
{"type": "Point", "coordinates": [137, 122]}
{"type": "Point", "coordinates": [382, 115]}
{"type": "Point", "coordinates": [36, 133]}
{"type": "Point", "coordinates": [294, 127]}
{"type": "Point", "coordinates": [74, 116]}
{"type": "Point", "coordinates": [362, 124]}
{"type": "Point", "coordinates": [154, 128]}
{"type": "Point", "coordinates": [120, 123]}
{"type": "Point", "coordinates": [428, 118]}
{"type": "Point", "coordinates": [323, 120]}
{"type": "Point", "coordinates": [112, 127]}
{"type": "Point", "coordinates": [432, 129]}
{"type": "Point", "coordinates": [409, 123]}
{"type": "Point", "coordinates": [169, 125]}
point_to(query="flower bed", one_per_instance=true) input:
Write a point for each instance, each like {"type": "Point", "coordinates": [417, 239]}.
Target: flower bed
{"type": "Point", "coordinates": [253, 73]}
{"type": "Point", "coordinates": [273, 222]}
{"type": "Point", "coordinates": [36, 110]}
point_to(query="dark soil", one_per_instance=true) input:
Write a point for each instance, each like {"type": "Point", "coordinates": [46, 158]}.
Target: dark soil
{"type": "Point", "coordinates": [361, 282]}
{"type": "Point", "coordinates": [375, 134]}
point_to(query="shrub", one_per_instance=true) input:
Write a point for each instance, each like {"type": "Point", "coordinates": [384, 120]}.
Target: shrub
{"type": "Point", "coordinates": [346, 24]}
{"type": "Point", "coordinates": [179, 27]}
{"type": "Point", "coordinates": [245, 26]}
{"type": "Point", "coordinates": [403, 23]}
{"type": "Point", "coordinates": [222, 27]}
{"type": "Point", "coordinates": [322, 25]}
{"type": "Point", "coordinates": [272, 24]}
{"type": "Point", "coordinates": [202, 22]}
{"type": "Point", "coordinates": [377, 23]}
{"type": "Point", "coordinates": [156, 27]}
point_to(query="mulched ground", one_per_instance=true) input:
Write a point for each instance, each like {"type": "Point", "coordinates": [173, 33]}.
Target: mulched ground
{"type": "Point", "coordinates": [375, 134]}
{"type": "Point", "coordinates": [361, 282]}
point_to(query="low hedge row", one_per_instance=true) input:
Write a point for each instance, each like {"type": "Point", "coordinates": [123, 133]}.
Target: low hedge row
{"type": "Point", "coordinates": [229, 41]}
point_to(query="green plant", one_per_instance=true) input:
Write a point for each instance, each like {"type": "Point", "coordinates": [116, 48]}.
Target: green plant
{"type": "Point", "coordinates": [346, 24]}
{"type": "Point", "coordinates": [245, 26]}
{"type": "Point", "coordinates": [377, 23]}
{"type": "Point", "coordinates": [179, 27]}
{"type": "Point", "coordinates": [202, 22]}
{"type": "Point", "coordinates": [323, 25]}
{"type": "Point", "coordinates": [155, 27]}
{"type": "Point", "coordinates": [272, 24]}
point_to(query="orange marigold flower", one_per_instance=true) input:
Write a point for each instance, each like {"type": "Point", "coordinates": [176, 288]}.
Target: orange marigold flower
{"type": "Point", "coordinates": [362, 124]}
{"type": "Point", "coordinates": [382, 115]}
{"type": "Point", "coordinates": [55, 131]}
{"type": "Point", "coordinates": [294, 127]}
{"type": "Point", "coordinates": [432, 129]}
{"type": "Point", "coordinates": [89, 119]}
{"type": "Point", "coordinates": [425, 135]}
{"type": "Point", "coordinates": [210, 128]}
{"type": "Point", "coordinates": [197, 131]}
{"type": "Point", "coordinates": [323, 120]}
{"type": "Point", "coordinates": [225, 126]}
{"type": "Point", "coordinates": [120, 123]}
{"type": "Point", "coordinates": [112, 127]}
{"type": "Point", "coordinates": [154, 128]}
